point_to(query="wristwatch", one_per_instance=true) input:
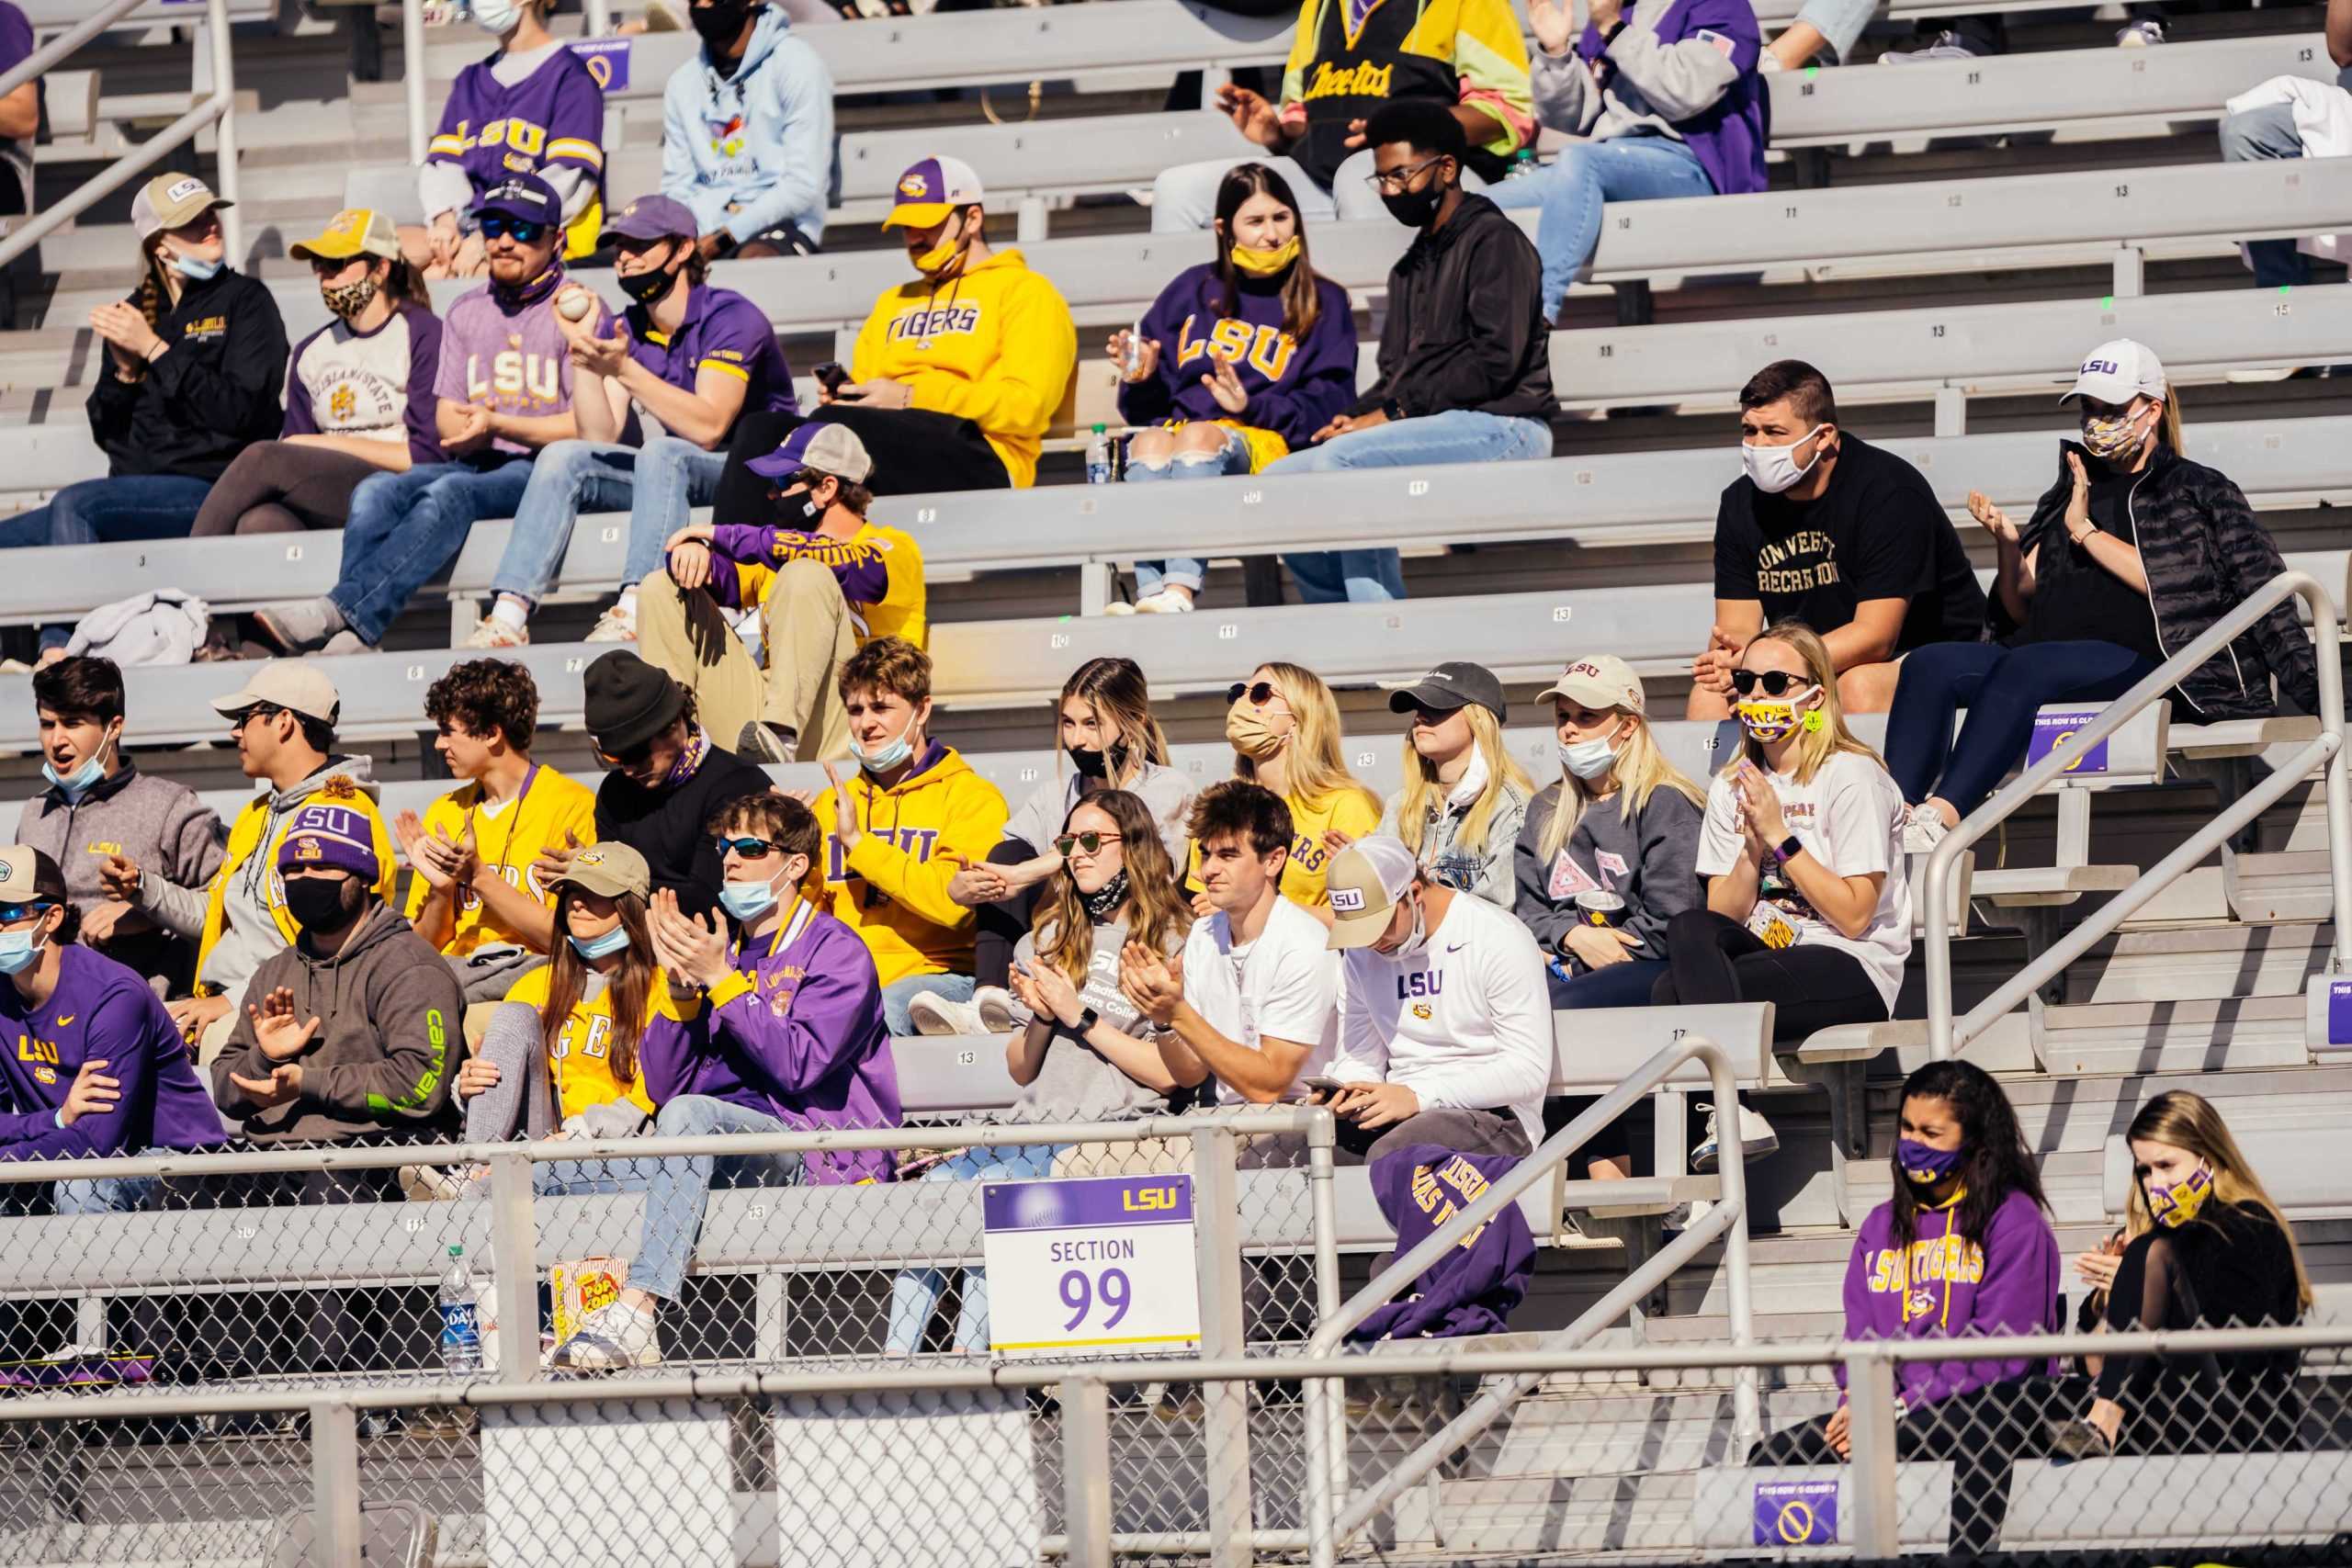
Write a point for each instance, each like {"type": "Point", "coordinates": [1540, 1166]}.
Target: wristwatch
{"type": "Point", "coordinates": [1086, 1022]}
{"type": "Point", "coordinates": [1392, 411]}
{"type": "Point", "coordinates": [1790, 848]}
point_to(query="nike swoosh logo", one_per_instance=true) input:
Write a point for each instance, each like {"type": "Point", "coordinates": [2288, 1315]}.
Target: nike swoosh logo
{"type": "Point", "coordinates": [67, 1019]}
{"type": "Point", "coordinates": [1457, 947]}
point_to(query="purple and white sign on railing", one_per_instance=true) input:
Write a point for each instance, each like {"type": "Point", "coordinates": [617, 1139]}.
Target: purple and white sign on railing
{"type": "Point", "coordinates": [1090, 1265]}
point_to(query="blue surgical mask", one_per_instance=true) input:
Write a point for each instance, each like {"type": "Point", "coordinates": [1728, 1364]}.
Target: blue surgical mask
{"type": "Point", "coordinates": [747, 900]}
{"type": "Point", "coordinates": [594, 947]}
{"type": "Point", "coordinates": [18, 952]}
{"type": "Point", "coordinates": [195, 268]}
{"type": "Point", "coordinates": [892, 754]}
{"type": "Point", "coordinates": [1589, 759]}
{"type": "Point", "coordinates": [78, 782]}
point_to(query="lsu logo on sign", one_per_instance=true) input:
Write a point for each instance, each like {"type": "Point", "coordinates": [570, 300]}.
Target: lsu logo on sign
{"type": "Point", "coordinates": [1145, 1199]}
{"type": "Point", "coordinates": [1347, 900]}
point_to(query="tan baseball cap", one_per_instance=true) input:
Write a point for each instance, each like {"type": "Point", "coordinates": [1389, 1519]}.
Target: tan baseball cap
{"type": "Point", "coordinates": [354, 232]}
{"type": "Point", "coordinates": [1602, 681]}
{"type": "Point", "coordinates": [24, 878]}
{"type": "Point", "coordinates": [1365, 881]}
{"type": "Point", "coordinates": [609, 868]}
{"type": "Point", "coordinates": [169, 200]}
{"type": "Point", "coordinates": [288, 684]}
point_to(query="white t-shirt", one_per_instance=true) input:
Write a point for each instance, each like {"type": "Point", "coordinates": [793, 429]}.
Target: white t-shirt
{"type": "Point", "coordinates": [1286, 984]}
{"type": "Point", "coordinates": [1850, 820]}
{"type": "Point", "coordinates": [1465, 1022]}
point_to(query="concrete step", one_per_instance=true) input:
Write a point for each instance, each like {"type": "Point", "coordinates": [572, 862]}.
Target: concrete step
{"type": "Point", "coordinates": [2199, 961]}
{"type": "Point", "coordinates": [2188, 1036]}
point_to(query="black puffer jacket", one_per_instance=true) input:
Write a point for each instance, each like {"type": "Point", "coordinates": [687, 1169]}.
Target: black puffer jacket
{"type": "Point", "coordinates": [2204, 552]}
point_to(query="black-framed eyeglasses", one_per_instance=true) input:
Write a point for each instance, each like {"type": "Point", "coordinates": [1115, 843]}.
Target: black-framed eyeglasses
{"type": "Point", "coordinates": [1259, 694]}
{"type": "Point", "coordinates": [1091, 842]}
{"type": "Point", "coordinates": [750, 849]}
{"type": "Point", "coordinates": [499, 225]}
{"type": "Point", "coordinates": [11, 913]}
{"type": "Point", "coordinates": [1396, 179]}
{"type": "Point", "coordinates": [1776, 682]}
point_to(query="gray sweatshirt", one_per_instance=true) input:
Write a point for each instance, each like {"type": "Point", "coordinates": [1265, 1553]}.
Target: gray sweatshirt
{"type": "Point", "coordinates": [1165, 791]}
{"type": "Point", "coordinates": [1077, 1083]}
{"type": "Point", "coordinates": [1650, 862]}
{"type": "Point", "coordinates": [162, 827]}
{"type": "Point", "coordinates": [1656, 85]}
{"type": "Point", "coordinates": [1486, 875]}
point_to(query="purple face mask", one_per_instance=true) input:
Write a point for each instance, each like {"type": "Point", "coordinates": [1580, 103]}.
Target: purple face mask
{"type": "Point", "coordinates": [1926, 1166]}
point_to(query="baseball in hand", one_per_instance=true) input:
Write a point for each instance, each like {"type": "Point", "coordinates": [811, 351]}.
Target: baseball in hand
{"type": "Point", "coordinates": [574, 304]}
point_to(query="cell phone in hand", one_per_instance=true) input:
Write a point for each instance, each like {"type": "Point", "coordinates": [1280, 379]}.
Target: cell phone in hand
{"type": "Point", "coordinates": [1322, 1083]}
{"type": "Point", "coordinates": [832, 375]}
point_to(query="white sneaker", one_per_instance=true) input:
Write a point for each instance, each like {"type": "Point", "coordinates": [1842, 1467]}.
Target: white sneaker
{"type": "Point", "coordinates": [2140, 35]}
{"type": "Point", "coordinates": [995, 1007]}
{"type": "Point", "coordinates": [1167, 602]}
{"type": "Point", "coordinates": [495, 633]}
{"type": "Point", "coordinates": [1923, 830]}
{"type": "Point", "coordinates": [934, 1014]}
{"type": "Point", "coordinates": [617, 624]}
{"type": "Point", "coordinates": [1756, 1139]}
{"type": "Point", "coordinates": [430, 1184]}
{"type": "Point", "coordinates": [613, 1339]}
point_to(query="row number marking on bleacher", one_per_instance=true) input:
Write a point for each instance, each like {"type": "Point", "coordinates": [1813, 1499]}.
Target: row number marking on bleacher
{"type": "Point", "coordinates": [1559, 614]}
{"type": "Point", "coordinates": [1417, 487]}
{"type": "Point", "coordinates": [1057, 640]}
{"type": "Point", "coordinates": [293, 552]}
{"type": "Point", "coordinates": [608, 536]}
{"type": "Point", "coordinates": [416, 672]}
{"type": "Point", "coordinates": [1252, 497]}
{"type": "Point", "coordinates": [1228, 630]}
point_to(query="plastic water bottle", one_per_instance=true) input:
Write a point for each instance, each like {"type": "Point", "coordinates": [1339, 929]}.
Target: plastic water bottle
{"type": "Point", "coordinates": [460, 1317]}
{"type": "Point", "coordinates": [1522, 163]}
{"type": "Point", "coordinates": [1098, 457]}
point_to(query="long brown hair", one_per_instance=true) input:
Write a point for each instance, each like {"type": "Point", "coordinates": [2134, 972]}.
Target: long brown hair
{"type": "Point", "coordinates": [153, 297]}
{"type": "Point", "coordinates": [1158, 915]}
{"type": "Point", "coordinates": [1301, 308]}
{"type": "Point", "coordinates": [1120, 698]}
{"type": "Point", "coordinates": [2188, 1121]}
{"type": "Point", "coordinates": [632, 982]}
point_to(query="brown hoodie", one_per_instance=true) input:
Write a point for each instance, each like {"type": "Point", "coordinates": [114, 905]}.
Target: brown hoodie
{"type": "Point", "coordinates": [385, 1057]}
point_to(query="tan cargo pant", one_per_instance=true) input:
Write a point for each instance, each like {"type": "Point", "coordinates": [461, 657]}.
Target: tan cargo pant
{"type": "Point", "coordinates": [808, 634]}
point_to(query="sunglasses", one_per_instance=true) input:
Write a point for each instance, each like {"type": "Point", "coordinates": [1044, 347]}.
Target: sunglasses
{"type": "Point", "coordinates": [1259, 694]}
{"type": "Point", "coordinates": [244, 717]}
{"type": "Point", "coordinates": [750, 849]}
{"type": "Point", "coordinates": [522, 231]}
{"type": "Point", "coordinates": [1776, 682]}
{"type": "Point", "coordinates": [1089, 842]}
{"type": "Point", "coordinates": [635, 757]}
{"type": "Point", "coordinates": [11, 913]}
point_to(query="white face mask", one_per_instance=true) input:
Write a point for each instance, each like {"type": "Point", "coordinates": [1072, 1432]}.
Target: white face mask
{"type": "Point", "coordinates": [1774, 468]}
{"type": "Point", "coordinates": [497, 16]}
{"type": "Point", "coordinates": [1589, 759]}
{"type": "Point", "coordinates": [1415, 943]}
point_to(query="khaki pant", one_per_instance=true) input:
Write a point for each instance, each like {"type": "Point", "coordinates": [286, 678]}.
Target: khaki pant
{"type": "Point", "coordinates": [809, 635]}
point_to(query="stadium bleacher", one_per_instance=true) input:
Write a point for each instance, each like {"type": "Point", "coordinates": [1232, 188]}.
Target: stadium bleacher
{"type": "Point", "coordinates": [1983, 221]}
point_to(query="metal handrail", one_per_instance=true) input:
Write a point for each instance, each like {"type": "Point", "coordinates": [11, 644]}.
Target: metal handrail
{"type": "Point", "coordinates": [221, 108]}
{"type": "Point", "coordinates": [1946, 1037]}
{"type": "Point", "coordinates": [412, 67]}
{"type": "Point", "coordinates": [1328, 1525]}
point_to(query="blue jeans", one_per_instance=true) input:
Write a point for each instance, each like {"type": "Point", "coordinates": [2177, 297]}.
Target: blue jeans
{"type": "Point", "coordinates": [136, 506]}
{"type": "Point", "coordinates": [1625, 984]}
{"type": "Point", "coordinates": [405, 527]}
{"type": "Point", "coordinates": [2000, 687]}
{"type": "Point", "coordinates": [2251, 136]}
{"type": "Point", "coordinates": [1328, 577]}
{"type": "Point", "coordinates": [1185, 571]}
{"type": "Point", "coordinates": [899, 993]}
{"type": "Point", "coordinates": [916, 1291]}
{"type": "Point", "coordinates": [679, 1188]}
{"type": "Point", "coordinates": [1571, 192]}
{"type": "Point", "coordinates": [109, 1194]}
{"type": "Point", "coordinates": [656, 483]}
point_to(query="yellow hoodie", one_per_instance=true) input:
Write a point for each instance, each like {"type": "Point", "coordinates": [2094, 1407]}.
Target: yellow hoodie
{"type": "Point", "coordinates": [994, 345]}
{"type": "Point", "coordinates": [892, 888]}
{"type": "Point", "coordinates": [267, 817]}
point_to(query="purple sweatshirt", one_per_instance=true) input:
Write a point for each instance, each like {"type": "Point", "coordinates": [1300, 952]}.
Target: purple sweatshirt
{"type": "Point", "coordinates": [797, 1032]}
{"type": "Point", "coordinates": [1474, 1287]}
{"type": "Point", "coordinates": [1728, 135]}
{"type": "Point", "coordinates": [504, 350]}
{"type": "Point", "coordinates": [1295, 388]}
{"type": "Point", "coordinates": [101, 1011]}
{"type": "Point", "coordinates": [1946, 1287]}
{"type": "Point", "coordinates": [554, 116]}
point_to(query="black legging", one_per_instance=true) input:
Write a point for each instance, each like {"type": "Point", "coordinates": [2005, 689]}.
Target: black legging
{"type": "Point", "coordinates": [999, 927]}
{"type": "Point", "coordinates": [274, 487]}
{"type": "Point", "coordinates": [1713, 958]}
{"type": "Point", "coordinates": [2187, 1402]}
{"type": "Point", "coordinates": [914, 452]}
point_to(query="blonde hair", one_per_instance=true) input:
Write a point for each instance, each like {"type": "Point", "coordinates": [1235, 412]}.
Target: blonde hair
{"type": "Point", "coordinates": [1813, 747]}
{"type": "Point", "coordinates": [2188, 1121]}
{"type": "Point", "coordinates": [1422, 789]}
{"type": "Point", "coordinates": [2170, 420]}
{"type": "Point", "coordinates": [1157, 914]}
{"type": "Point", "coordinates": [1640, 771]}
{"type": "Point", "coordinates": [1316, 770]}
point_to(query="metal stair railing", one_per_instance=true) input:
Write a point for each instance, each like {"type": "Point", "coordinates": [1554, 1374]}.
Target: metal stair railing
{"type": "Point", "coordinates": [1329, 1524]}
{"type": "Point", "coordinates": [1946, 1036]}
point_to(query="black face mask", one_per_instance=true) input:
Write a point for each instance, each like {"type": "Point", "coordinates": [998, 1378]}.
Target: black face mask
{"type": "Point", "coordinates": [316, 904]}
{"type": "Point", "coordinates": [1414, 209]}
{"type": "Point", "coordinates": [720, 22]}
{"type": "Point", "coordinates": [648, 285]}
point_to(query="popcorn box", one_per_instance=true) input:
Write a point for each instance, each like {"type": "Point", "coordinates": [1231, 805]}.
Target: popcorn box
{"type": "Point", "coordinates": [580, 1286]}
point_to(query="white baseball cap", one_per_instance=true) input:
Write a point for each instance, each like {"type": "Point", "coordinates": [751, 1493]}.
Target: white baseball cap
{"type": "Point", "coordinates": [1365, 882]}
{"type": "Point", "coordinates": [1601, 681]}
{"type": "Point", "coordinates": [2117, 371]}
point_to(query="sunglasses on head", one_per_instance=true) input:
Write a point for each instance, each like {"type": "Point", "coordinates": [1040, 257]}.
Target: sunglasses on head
{"type": "Point", "coordinates": [1089, 842]}
{"type": "Point", "coordinates": [522, 231]}
{"type": "Point", "coordinates": [750, 849]}
{"type": "Point", "coordinates": [1258, 695]}
{"type": "Point", "coordinates": [1776, 682]}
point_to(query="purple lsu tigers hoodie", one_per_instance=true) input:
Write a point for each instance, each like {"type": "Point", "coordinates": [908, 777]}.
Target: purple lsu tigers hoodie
{"type": "Point", "coordinates": [1944, 1286]}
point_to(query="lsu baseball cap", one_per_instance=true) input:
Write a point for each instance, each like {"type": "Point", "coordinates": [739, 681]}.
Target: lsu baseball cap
{"type": "Point", "coordinates": [525, 196]}
{"type": "Point", "coordinates": [651, 218]}
{"type": "Point", "coordinates": [1365, 881]}
{"type": "Point", "coordinates": [169, 200]}
{"type": "Point", "coordinates": [354, 232]}
{"type": "Point", "coordinates": [28, 876]}
{"type": "Point", "coordinates": [1602, 681]}
{"type": "Point", "coordinates": [931, 189]}
{"type": "Point", "coordinates": [338, 838]}
{"type": "Point", "coordinates": [608, 868]}
{"type": "Point", "coordinates": [828, 448]}
{"type": "Point", "coordinates": [288, 684]}
{"type": "Point", "coordinates": [2116, 372]}
{"type": "Point", "coordinates": [1456, 684]}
